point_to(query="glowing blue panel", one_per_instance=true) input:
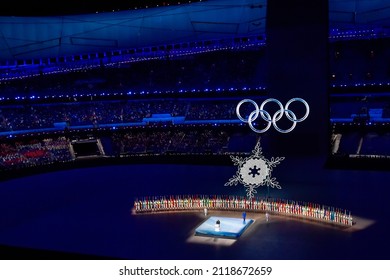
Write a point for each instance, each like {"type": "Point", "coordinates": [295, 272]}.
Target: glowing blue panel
{"type": "Point", "coordinates": [228, 227]}
{"type": "Point", "coordinates": [44, 37]}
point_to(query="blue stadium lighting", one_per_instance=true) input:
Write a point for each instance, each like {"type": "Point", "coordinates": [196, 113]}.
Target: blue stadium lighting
{"type": "Point", "coordinates": [65, 67]}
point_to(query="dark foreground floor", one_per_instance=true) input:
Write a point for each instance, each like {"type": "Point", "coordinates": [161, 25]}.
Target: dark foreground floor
{"type": "Point", "coordinates": [86, 214]}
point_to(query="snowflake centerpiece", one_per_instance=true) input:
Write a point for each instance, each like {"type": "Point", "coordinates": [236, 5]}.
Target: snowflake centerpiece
{"type": "Point", "coordinates": [254, 171]}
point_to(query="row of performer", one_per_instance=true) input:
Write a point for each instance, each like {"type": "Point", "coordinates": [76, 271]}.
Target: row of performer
{"type": "Point", "coordinates": [217, 202]}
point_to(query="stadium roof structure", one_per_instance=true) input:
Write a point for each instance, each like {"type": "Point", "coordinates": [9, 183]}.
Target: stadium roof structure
{"type": "Point", "coordinates": [49, 34]}
{"type": "Point", "coordinates": [73, 7]}
{"type": "Point", "coordinates": [35, 37]}
{"type": "Point", "coordinates": [350, 14]}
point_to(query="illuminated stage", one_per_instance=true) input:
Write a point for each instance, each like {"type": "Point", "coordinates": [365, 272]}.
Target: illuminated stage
{"type": "Point", "coordinates": [228, 227]}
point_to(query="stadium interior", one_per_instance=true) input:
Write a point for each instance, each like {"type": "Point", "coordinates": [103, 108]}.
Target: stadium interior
{"type": "Point", "coordinates": [107, 101]}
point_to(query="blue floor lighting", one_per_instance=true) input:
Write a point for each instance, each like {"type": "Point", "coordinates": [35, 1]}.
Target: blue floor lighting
{"type": "Point", "coordinates": [226, 228]}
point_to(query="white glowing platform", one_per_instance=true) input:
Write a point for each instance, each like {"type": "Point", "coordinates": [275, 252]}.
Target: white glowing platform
{"type": "Point", "coordinates": [229, 227]}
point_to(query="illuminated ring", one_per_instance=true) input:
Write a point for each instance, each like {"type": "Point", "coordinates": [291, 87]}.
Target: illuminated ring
{"type": "Point", "coordinates": [252, 118]}
{"type": "Point", "coordinates": [294, 118]}
{"type": "Point", "coordinates": [276, 117]}
{"type": "Point", "coordinates": [280, 113]}
{"type": "Point", "coordinates": [256, 110]}
{"type": "Point", "coordinates": [277, 102]}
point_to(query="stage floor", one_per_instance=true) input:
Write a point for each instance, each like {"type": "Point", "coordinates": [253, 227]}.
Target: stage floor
{"type": "Point", "coordinates": [229, 227]}
{"type": "Point", "coordinates": [87, 212]}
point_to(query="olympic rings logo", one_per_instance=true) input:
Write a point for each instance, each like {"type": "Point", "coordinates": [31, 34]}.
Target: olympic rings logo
{"type": "Point", "coordinates": [276, 116]}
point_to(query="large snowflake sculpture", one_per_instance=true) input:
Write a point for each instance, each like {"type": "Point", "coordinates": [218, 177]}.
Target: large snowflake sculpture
{"type": "Point", "coordinates": [254, 171]}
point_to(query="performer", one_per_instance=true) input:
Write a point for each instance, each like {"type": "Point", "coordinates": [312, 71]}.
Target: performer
{"type": "Point", "coordinates": [244, 216]}
{"type": "Point", "coordinates": [217, 225]}
{"type": "Point", "coordinates": [205, 211]}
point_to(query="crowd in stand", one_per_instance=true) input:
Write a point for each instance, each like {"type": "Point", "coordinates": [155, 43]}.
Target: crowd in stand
{"type": "Point", "coordinates": [38, 116]}
{"type": "Point", "coordinates": [171, 140]}
{"type": "Point", "coordinates": [196, 141]}
{"type": "Point", "coordinates": [372, 55]}
{"type": "Point", "coordinates": [21, 154]}
{"type": "Point", "coordinates": [224, 69]}
{"type": "Point", "coordinates": [242, 203]}
{"type": "Point", "coordinates": [210, 110]}
{"type": "Point", "coordinates": [217, 69]}
{"type": "Point", "coordinates": [359, 98]}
